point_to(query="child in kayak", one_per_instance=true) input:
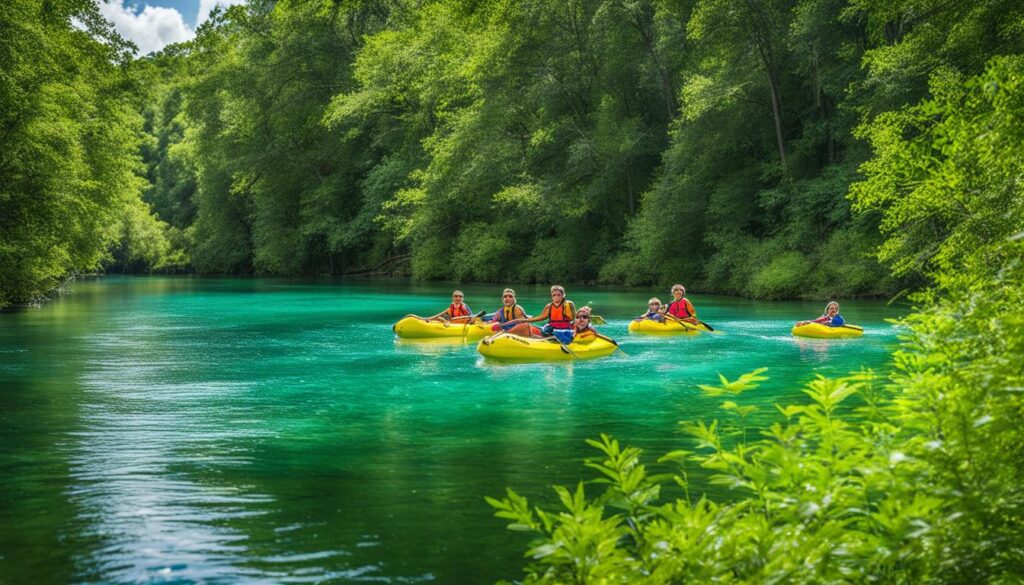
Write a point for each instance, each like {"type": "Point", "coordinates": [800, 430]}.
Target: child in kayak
{"type": "Point", "coordinates": [457, 311]}
{"type": "Point", "coordinates": [559, 312]}
{"type": "Point", "coordinates": [653, 311]}
{"type": "Point", "coordinates": [510, 314]}
{"type": "Point", "coordinates": [581, 329]}
{"type": "Point", "coordinates": [681, 308]}
{"type": "Point", "coordinates": [831, 317]}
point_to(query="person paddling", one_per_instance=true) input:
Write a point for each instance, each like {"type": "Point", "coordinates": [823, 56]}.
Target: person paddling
{"type": "Point", "coordinates": [560, 313]}
{"type": "Point", "coordinates": [831, 317]}
{"type": "Point", "coordinates": [457, 311]}
{"type": "Point", "coordinates": [510, 314]}
{"type": "Point", "coordinates": [581, 329]}
{"type": "Point", "coordinates": [653, 311]}
{"type": "Point", "coordinates": [681, 308]}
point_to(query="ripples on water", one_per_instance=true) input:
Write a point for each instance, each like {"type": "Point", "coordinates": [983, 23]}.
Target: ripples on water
{"type": "Point", "coordinates": [188, 430]}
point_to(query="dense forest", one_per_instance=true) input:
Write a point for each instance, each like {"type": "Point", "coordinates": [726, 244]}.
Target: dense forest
{"type": "Point", "coordinates": [735, 146]}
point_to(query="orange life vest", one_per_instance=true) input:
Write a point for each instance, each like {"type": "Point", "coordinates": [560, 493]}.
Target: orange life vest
{"type": "Point", "coordinates": [561, 317]}
{"type": "Point", "coordinates": [458, 311]}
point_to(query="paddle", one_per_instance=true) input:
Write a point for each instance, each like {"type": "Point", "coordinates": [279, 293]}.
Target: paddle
{"type": "Point", "coordinates": [470, 317]}
{"type": "Point", "coordinates": [487, 340]}
{"type": "Point", "coordinates": [598, 320]}
{"type": "Point", "coordinates": [699, 322]}
{"type": "Point", "coordinates": [465, 325]}
{"type": "Point", "coordinates": [565, 347]}
{"type": "Point", "coordinates": [854, 327]}
{"type": "Point", "coordinates": [682, 322]}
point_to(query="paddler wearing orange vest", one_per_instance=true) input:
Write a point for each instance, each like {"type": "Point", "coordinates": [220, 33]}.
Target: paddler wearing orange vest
{"type": "Point", "coordinates": [457, 311]}
{"type": "Point", "coordinates": [560, 314]}
{"type": "Point", "coordinates": [681, 308]}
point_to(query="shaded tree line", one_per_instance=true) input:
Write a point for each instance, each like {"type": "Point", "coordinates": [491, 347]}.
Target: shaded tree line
{"type": "Point", "coordinates": [617, 141]}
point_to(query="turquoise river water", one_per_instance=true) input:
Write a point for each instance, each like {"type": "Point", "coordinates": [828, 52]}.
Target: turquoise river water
{"type": "Point", "coordinates": [187, 430]}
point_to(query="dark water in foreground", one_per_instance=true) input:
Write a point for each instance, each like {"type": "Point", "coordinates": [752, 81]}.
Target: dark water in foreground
{"type": "Point", "coordinates": [220, 430]}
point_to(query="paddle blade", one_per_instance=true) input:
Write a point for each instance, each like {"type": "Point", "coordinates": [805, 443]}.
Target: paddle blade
{"type": "Point", "coordinates": [598, 320]}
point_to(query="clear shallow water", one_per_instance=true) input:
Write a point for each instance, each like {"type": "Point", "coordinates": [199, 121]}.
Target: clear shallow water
{"type": "Point", "coordinates": [188, 430]}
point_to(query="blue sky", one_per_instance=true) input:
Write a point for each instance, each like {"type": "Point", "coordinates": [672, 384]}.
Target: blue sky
{"type": "Point", "coordinates": [153, 24]}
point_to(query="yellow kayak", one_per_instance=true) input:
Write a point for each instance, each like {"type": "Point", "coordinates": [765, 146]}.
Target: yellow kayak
{"type": "Point", "coordinates": [513, 347]}
{"type": "Point", "coordinates": [821, 331]}
{"type": "Point", "coordinates": [417, 328]}
{"type": "Point", "coordinates": [664, 327]}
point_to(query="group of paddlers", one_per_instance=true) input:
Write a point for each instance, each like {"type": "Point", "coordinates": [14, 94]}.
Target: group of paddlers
{"type": "Point", "coordinates": [565, 321]}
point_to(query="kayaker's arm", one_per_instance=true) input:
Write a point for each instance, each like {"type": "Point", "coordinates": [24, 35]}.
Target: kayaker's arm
{"type": "Point", "coordinates": [543, 315]}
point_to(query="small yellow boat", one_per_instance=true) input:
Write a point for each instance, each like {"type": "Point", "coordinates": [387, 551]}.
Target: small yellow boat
{"type": "Point", "coordinates": [506, 346]}
{"type": "Point", "coordinates": [821, 331]}
{"type": "Point", "coordinates": [412, 327]}
{"type": "Point", "coordinates": [665, 327]}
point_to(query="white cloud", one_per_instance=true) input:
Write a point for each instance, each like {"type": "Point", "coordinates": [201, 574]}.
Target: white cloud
{"type": "Point", "coordinates": [151, 29]}
{"type": "Point", "coordinates": [156, 26]}
{"type": "Point", "coordinates": [206, 7]}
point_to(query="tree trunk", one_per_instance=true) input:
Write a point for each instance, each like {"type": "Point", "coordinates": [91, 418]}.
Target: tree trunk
{"type": "Point", "coordinates": [776, 114]}
{"type": "Point", "coordinates": [629, 189]}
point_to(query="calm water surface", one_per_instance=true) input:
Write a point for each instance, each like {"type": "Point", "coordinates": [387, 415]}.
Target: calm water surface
{"type": "Point", "coordinates": [187, 430]}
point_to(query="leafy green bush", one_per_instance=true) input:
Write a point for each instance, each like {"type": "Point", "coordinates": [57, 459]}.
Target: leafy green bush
{"type": "Point", "coordinates": [783, 277]}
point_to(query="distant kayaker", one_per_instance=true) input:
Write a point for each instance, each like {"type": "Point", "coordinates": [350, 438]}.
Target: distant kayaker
{"type": "Point", "coordinates": [457, 311]}
{"type": "Point", "coordinates": [510, 314]}
{"type": "Point", "coordinates": [831, 317]}
{"type": "Point", "coordinates": [560, 314]}
{"type": "Point", "coordinates": [681, 308]}
{"type": "Point", "coordinates": [653, 311]}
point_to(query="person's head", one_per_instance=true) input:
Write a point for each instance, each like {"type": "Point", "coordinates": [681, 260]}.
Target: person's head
{"type": "Point", "coordinates": [457, 296]}
{"type": "Point", "coordinates": [654, 304]}
{"type": "Point", "coordinates": [582, 319]}
{"type": "Point", "coordinates": [557, 293]}
{"type": "Point", "coordinates": [678, 291]}
{"type": "Point", "coordinates": [832, 309]}
{"type": "Point", "coordinates": [508, 297]}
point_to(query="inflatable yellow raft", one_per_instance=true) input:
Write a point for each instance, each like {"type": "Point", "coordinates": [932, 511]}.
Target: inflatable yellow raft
{"type": "Point", "coordinates": [820, 331]}
{"type": "Point", "coordinates": [417, 328]}
{"type": "Point", "coordinates": [667, 326]}
{"type": "Point", "coordinates": [506, 346]}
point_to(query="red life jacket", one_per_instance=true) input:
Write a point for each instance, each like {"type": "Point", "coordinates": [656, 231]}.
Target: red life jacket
{"type": "Point", "coordinates": [460, 311]}
{"type": "Point", "coordinates": [561, 317]}
{"type": "Point", "coordinates": [681, 309]}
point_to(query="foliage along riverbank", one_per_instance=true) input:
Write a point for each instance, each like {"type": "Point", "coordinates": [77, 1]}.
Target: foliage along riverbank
{"type": "Point", "coordinates": [637, 142]}
{"type": "Point", "coordinates": [922, 484]}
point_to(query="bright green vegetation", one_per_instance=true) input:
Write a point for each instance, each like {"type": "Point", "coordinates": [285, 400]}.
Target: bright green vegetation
{"type": "Point", "coordinates": [70, 133]}
{"type": "Point", "coordinates": [200, 430]}
{"type": "Point", "coordinates": [922, 481]}
{"type": "Point", "coordinates": [636, 142]}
